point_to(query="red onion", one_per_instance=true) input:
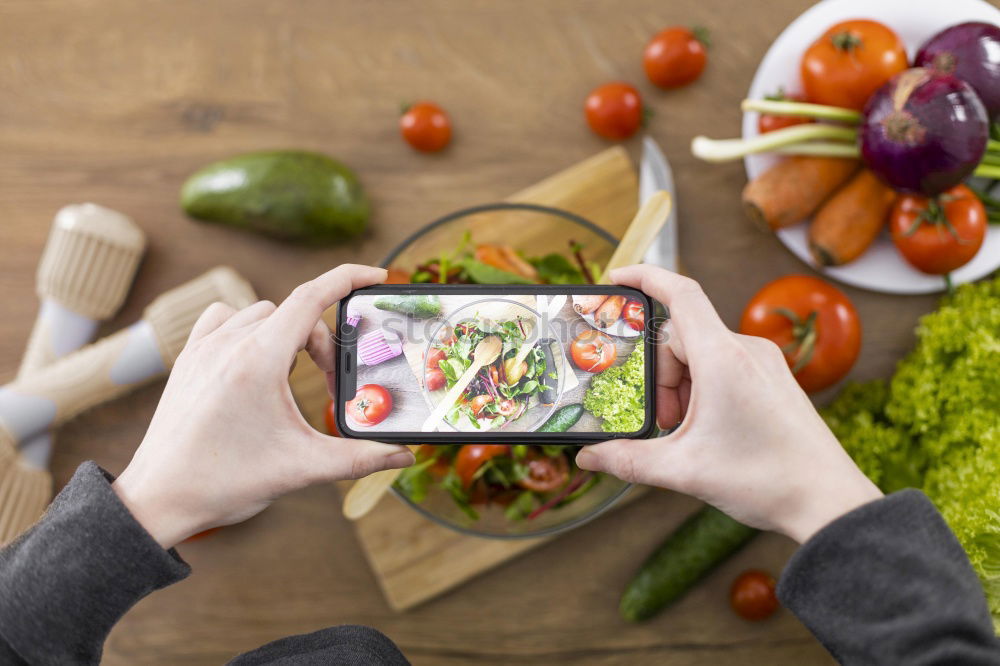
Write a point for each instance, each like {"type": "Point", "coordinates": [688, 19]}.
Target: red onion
{"type": "Point", "coordinates": [924, 131]}
{"type": "Point", "coordinates": [970, 51]}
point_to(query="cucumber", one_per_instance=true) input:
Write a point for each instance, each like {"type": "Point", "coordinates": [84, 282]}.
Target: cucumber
{"type": "Point", "coordinates": [704, 541]}
{"type": "Point", "coordinates": [287, 194]}
{"type": "Point", "coordinates": [564, 419]}
{"type": "Point", "coordinates": [422, 306]}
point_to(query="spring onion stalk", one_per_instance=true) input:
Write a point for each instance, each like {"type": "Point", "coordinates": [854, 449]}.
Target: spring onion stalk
{"type": "Point", "coordinates": [991, 158]}
{"type": "Point", "coordinates": [724, 150]}
{"type": "Point", "coordinates": [987, 171]}
{"type": "Point", "coordinates": [993, 146]}
{"type": "Point", "coordinates": [820, 149]}
{"type": "Point", "coordinates": [802, 110]}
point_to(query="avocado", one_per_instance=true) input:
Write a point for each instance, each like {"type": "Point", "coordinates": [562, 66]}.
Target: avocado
{"type": "Point", "coordinates": [288, 194]}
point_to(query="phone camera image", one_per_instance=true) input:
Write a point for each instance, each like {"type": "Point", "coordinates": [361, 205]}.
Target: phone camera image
{"type": "Point", "coordinates": [449, 364]}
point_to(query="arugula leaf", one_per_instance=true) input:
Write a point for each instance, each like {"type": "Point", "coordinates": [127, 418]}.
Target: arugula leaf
{"type": "Point", "coordinates": [415, 480]}
{"type": "Point", "coordinates": [522, 505]}
{"type": "Point", "coordinates": [555, 268]}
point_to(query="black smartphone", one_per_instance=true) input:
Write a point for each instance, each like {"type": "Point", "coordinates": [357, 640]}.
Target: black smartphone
{"type": "Point", "coordinates": [541, 364]}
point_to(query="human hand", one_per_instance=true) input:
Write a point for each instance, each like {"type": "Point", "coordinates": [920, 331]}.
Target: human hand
{"type": "Point", "coordinates": [749, 441]}
{"type": "Point", "coordinates": [227, 438]}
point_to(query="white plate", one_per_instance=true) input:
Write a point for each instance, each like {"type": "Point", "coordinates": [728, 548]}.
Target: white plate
{"type": "Point", "coordinates": [881, 268]}
{"type": "Point", "coordinates": [619, 329]}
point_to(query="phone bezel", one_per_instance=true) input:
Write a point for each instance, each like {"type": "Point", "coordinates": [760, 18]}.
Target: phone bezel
{"type": "Point", "coordinates": [347, 372]}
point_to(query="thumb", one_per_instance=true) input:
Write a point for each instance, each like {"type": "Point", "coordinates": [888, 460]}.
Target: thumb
{"type": "Point", "coordinates": [643, 461]}
{"type": "Point", "coordinates": [338, 458]}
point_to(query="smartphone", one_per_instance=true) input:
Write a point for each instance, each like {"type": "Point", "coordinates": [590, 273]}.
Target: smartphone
{"type": "Point", "coordinates": [541, 364]}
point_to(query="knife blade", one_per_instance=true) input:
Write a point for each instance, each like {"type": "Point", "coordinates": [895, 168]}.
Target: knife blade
{"type": "Point", "coordinates": [654, 175]}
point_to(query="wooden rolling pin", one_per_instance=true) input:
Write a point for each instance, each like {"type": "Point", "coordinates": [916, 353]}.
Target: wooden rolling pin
{"type": "Point", "coordinates": [84, 275]}
{"type": "Point", "coordinates": [117, 364]}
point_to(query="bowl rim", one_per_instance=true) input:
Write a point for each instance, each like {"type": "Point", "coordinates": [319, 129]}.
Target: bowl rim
{"type": "Point", "coordinates": [398, 250]}
{"type": "Point", "coordinates": [499, 205]}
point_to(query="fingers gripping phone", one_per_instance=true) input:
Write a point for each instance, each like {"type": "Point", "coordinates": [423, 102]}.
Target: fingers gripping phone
{"type": "Point", "coordinates": [495, 363]}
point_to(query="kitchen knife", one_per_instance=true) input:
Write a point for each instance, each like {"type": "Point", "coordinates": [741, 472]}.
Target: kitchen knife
{"type": "Point", "coordinates": [655, 175]}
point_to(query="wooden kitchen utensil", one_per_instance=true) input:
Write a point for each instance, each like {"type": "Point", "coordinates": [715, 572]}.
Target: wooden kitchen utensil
{"type": "Point", "coordinates": [414, 559]}
{"type": "Point", "coordinates": [647, 222]}
{"type": "Point", "coordinates": [117, 364]}
{"type": "Point", "coordinates": [84, 275]}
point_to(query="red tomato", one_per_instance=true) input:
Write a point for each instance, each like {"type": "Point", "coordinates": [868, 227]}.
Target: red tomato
{"type": "Point", "coordinates": [676, 56]}
{"type": "Point", "coordinates": [426, 127]}
{"type": "Point", "coordinates": [507, 407]}
{"type": "Point", "coordinates": [434, 377]}
{"type": "Point", "coordinates": [370, 406]}
{"type": "Point", "coordinates": [472, 456]}
{"type": "Point", "coordinates": [768, 123]}
{"type": "Point", "coordinates": [397, 276]}
{"type": "Point", "coordinates": [634, 315]}
{"type": "Point", "coordinates": [544, 474]}
{"type": "Point", "coordinates": [479, 403]}
{"type": "Point", "coordinates": [330, 416]}
{"type": "Point", "coordinates": [813, 322]}
{"type": "Point", "coordinates": [752, 595]}
{"type": "Point", "coordinates": [592, 351]}
{"type": "Point", "coordinates": [614, 110]}
{"type": "Point", "coordinates": [434, 358]}
{"type": "Point", "coordinates": [941, 234]}
{"type": "Point", "coordinates": [850, 61]}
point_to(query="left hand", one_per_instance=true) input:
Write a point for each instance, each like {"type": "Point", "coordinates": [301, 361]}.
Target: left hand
{"type": "Point", "coordinates": [227, 438]}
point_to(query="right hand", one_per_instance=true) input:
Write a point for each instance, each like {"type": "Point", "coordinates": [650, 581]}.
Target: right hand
{"type": "Point", "coordinates": [749, 441]}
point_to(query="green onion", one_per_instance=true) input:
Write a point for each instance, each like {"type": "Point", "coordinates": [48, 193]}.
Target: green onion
{"type": "Point", "coordinates": [802, 110]}
{"type": "Point", "coordinates": [723, 150]}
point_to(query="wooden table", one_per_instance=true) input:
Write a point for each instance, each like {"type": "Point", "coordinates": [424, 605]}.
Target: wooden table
{"type": "Point", "coordinates": [117, 101]}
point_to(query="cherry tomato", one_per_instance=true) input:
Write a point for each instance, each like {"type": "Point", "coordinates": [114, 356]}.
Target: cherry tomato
{"type": "Point", "coordinates": [426, 127]}
{"type": "Point", "coordinates": [545, 474]}
{"type": "Point", "coordinates": [850, 61]}
{"type": "Point", "coordinates": [434, 358]}
{"type": "Point", "coordinates": [472, 456]}
{"type": "Point", "coordinates": [614, 110]}
{"type": "Point", "coordinates": [634, 315]}
{"type": "Point", "coordinates": [592, 351]}
{"type": "Point", "coordinates": [435, 380]}
{"type": "Point", "coordinates": [330, 416]}
{"type": "Point", "coordinates": [768, 123]}
{"type": "Point", "coordinates": [676, 56]}
{"type": "Point", "coordinates": [941, 234]}
{"type": "Point", "coordinates": [479, 403]}
{"type": "Point", "coordinates": [507, 407]}
{"type": "Point", "coordinates": [370, 406]}
{"type": "Point", "coordinates": [752, 595]}
{"type": "Point", "coordinates": [813, 322]}
{"type": "Point", "coordinates": [397, 276]}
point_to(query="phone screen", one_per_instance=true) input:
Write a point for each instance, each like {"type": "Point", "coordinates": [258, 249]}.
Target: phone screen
{"type": "Point", "coordinates": [444, 363]}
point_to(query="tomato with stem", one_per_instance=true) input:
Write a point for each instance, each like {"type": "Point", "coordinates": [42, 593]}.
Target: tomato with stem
{"type": "Point", "coordinates": [938, 234]}
{"type": "Point", "coordinates": [850, 61]}
{"type": "Point", "coordinates": [634, 315]}
{"type": "Point", "coordinates": [614, 110]}
{"type": "Point", "coordinates": [592, 351]}
{"type": "Point", "coordinates": [813, 322]}
{"type": "Point", "coordinates": [370, 406]}
{"type": "Point", "coordinates": [676, 56]}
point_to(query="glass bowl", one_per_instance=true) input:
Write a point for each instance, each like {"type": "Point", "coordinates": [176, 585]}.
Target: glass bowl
{"type": "Point", "coordinates": [487, 311]}
{"type": "Point", "coordinates": [534, 230]}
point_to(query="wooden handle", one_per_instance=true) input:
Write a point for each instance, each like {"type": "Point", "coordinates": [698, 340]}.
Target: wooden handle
{"type": "Point", "coordinates": [451, 396]}
{"type": "Point", "coordinates": [647, 222]}
{"type": "Point", "coordinates": [40, 351]}
{"type": "Point", "coordinates": [367, 491]}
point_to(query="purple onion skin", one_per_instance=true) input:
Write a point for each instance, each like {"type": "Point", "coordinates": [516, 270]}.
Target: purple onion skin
{"type": "Point", "coordinates": [924, 131]}
{"type": "Point", "coordinates": [970, 51]}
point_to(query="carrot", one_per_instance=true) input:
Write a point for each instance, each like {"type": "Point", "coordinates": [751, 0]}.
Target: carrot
{"type": "Point", "coordinates": [587, 303]}
{"type": "Point", "coordinates": [609, 311]}
{"type": "Point", "coordinates": [793, 189]}
{"type": "Point", "coordinates": [849, 222]}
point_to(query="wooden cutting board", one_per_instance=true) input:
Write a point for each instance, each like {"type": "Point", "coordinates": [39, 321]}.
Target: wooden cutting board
{"type": "Point", "coordinates": [414, 559]}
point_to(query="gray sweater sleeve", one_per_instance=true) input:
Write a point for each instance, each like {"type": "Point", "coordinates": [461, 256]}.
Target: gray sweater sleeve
{"type": "Point", "coordinates": [888, 583]}
{"type": "Point", "coordinates": [67, 581]}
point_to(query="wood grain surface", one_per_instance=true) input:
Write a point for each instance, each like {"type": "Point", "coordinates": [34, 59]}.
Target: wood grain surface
{"type": "Point", "coordinates": [116, 101]}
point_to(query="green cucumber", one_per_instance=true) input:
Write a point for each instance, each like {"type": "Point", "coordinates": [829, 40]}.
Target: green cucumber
{"type": "Point", "coordinates": [704, 541]}
{"type": "Point", "coordinates": [550, 377]}
{"type": "Point", "coordinates": [287, 194]}
{"type": "Point", "coordinates": [422, 306]}
{"type": "Point", "coordinates": [564, 419]}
